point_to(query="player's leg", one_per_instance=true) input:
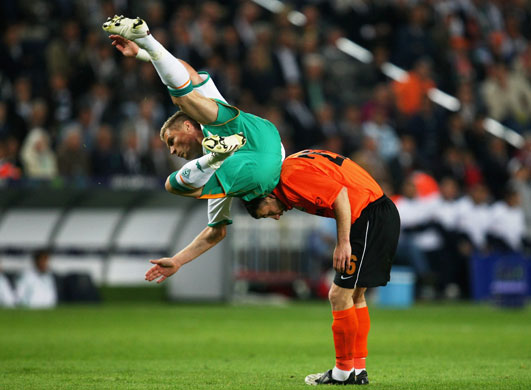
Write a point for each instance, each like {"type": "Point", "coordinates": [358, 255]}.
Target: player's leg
{"type": "Point", "coordinates": [344, 328]}
{"type": "Point", "coordinates": [171, 71]}
{"type": "Point", "coordinates": [360, 344]}
{"type": "Point", "coordinates": [191, 178]}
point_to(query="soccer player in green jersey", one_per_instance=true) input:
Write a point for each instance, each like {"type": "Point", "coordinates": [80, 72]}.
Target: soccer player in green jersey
{"type": "Point", "coordinates": [246, 150]}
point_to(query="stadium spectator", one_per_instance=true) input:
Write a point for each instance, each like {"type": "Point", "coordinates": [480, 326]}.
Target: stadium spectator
{"type": "Point", "coordinates": [286, 59]}
{"type": "Point", "coordinates": [427, 128]}
{"type": "Point", "coordinates": [73, 160]}
{"type": "Point", "coordinates": [507, 96]}
{"type": "Point", "coordinates": [8, 167]}
{"type": "Point", "coordinates": [418, 235]}
{"type": "Point", "coordinates": [474, 218]}
{"type": "Point", "coordinates": [105, 159]}
{"type": "Point", "coordinates": [383, 134]}
{"type": "Point", "coordinates": [38, 158]}
{"type": "Point", "coordinates": [259, 74]}
{"type": "Point", "coordinates": [507, 225]}
{"type": "Point", "coordinates": [496, 162]}
{"type": "Point", "coordinates": [134, 162]}
{"type": "Point", "coordinates": [339, 68]}
{"type": "Point", "coordinates": [369, 159]}
{"type": "Point", "coordinates": [351, 129]}
{"type": "Point", "coordinates": [413, 40]}
{"type": "Point", "coordinates": [7, 294]}
{"type": "Point", "coordinates": [60, 98]}
{"type": "Point", "coordinates": [246, 16]}
{"type": "Point", "coordinates": [381, 98]}
{"type": "Point", "coordinates": [327, 121]}
{"type": "Point", "coordinates": [315, 81]}
{"type": "Point", "coordinates": [413, 88]}
{"type": "Point", "coordinates": [453, 270]}
{"type": "Point", "coordinates": [469, 103]}
{"type": "Point", "coordinates": [12, 51]}
{"type": "Point", "coordinates": [301, 118]}
{"type": "Point", "coordinates": [22, 97]}
{"type": "Point", "coordinates": [36, 287]}
{"type": "Point", "coordinates": [64, 51]}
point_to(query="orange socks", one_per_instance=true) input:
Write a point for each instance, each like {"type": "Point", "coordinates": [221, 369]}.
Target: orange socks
{"type": "Point", "coordinates": [360, 345]}
{"type": "Point", "coordinates": [344, 329]}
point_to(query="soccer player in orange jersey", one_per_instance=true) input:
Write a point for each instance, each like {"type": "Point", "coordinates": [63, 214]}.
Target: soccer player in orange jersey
{"type": "Point", "coordinates": [327, 184]}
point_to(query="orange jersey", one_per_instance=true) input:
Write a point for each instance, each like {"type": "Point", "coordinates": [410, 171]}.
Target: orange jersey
{"type": "Point", "coordinates": [312, 179]}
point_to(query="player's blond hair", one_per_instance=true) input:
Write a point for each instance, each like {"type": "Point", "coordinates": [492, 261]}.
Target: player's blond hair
{"type": "Point", "coordinates": [175, 121]}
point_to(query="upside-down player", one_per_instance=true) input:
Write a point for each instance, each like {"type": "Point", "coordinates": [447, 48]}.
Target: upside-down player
{"type": "Point", "coordinates": [246, 151]}
{"type": "Point", "coordinates": [326, 184]}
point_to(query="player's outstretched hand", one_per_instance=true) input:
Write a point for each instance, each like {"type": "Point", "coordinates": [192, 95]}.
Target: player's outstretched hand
{"type": "Point", "coordinates": [126, 47]}
{"type": "Point", "coordinates": [163, 268]}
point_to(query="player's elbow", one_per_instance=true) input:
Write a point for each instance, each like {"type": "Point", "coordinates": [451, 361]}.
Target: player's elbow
{"type": "Point", "coordinates": [216, 233]}
{"type": "Point", "coordinates": [168, 186]}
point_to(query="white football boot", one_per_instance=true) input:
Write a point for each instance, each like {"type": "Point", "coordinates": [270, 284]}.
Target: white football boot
{"type": "Point", "coordinates": [128, 28]}
{"type": "Point", "coordinates": [224, 145]}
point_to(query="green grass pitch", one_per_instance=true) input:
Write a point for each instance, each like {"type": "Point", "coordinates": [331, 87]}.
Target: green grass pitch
{"type": "Point", "coordinates": [170, 346]}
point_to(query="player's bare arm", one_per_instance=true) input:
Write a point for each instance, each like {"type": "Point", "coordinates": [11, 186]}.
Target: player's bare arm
{"type": "Point", "coordinates": [202, 109]}
{"type": "Point", "coordinates": [165, 267]}
{"type": "Point", "coordinates": [343, 251]}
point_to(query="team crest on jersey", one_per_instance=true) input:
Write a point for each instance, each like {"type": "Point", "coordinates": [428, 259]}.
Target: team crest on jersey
{"type": "Point", "coordinates": [186, 173]}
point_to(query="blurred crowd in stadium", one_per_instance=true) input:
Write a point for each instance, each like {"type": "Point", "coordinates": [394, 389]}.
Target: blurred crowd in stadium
{"type": "Point", "coordinates": [74, 110]}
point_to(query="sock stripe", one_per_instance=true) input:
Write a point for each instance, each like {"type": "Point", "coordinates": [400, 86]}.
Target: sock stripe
{"type": "Point", "coordinates": [185, 84]}
{"type": "Point", "coordinates": [183, 90]}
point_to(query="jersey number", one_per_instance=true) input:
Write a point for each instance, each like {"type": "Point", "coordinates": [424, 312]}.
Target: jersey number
{"type": "Point", "coordinates": [338, 160]}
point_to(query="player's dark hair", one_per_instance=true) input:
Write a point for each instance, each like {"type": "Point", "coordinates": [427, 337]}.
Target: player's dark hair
{"type": "Point", "coordinates": [252, 206]}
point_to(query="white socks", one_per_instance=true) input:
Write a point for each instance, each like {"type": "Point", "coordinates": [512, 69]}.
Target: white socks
{"type": "Point", "coordinates": [196, 173]}
{"type": "Point", "coordinates": [170, 70]}
{"type": "Point", "coordinates": [340, 375]}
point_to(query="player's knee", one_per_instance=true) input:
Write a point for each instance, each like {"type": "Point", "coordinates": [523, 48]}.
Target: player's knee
{"type": "Point", "coordinates": [359, 295]}
{"type": "Point", "coordinates": [340, 298]}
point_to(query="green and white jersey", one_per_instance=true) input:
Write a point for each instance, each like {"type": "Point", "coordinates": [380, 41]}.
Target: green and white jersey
{"type": "Point", "coordinates": [253, 170]}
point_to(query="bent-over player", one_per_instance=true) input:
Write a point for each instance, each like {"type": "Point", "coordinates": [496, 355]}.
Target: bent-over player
{"type": "Point", "coordinates": [368, 225]}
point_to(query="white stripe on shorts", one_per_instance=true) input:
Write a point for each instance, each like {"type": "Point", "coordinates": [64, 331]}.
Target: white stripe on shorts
{"type": "Point", "coordinates": [363, 254]}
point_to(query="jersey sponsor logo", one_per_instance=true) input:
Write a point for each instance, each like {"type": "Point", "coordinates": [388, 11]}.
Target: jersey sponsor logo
{"type": "Point", "coordinates": [186, 173]}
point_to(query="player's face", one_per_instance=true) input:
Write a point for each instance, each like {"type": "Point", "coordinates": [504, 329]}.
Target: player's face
{"type": "Point", "coordinates": [184, 142]}
{"type": "Point", "coordinates": [270, 208]}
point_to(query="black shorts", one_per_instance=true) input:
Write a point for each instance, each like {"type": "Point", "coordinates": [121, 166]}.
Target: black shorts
{"type": "Point", "coordinates": [373, 238]}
